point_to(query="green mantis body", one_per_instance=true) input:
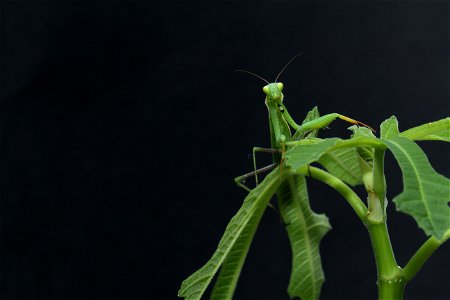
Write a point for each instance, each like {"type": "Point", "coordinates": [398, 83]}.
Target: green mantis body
{"type": "Point", "coordinates": [304, 227]}
{"type": "Point", "coordinates": [302, 224]}
{"type": "Point", "coordinates": [280, 119]}
{"type": "Point", "coordinates": [281, 122]}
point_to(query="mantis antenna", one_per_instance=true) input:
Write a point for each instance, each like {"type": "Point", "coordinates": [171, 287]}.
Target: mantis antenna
{"type": "Point", "coordinates": [292, 59]}
{"type": "Point", "coordinates": [257, 76]}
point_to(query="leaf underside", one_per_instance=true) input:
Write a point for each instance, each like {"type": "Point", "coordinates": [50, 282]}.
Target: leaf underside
{"type": "Point", "coordinates": [305, 230]}
{"type": "Point", "coordinates": [433, 131]}
{"type": "Point", "coordinates": [343, 163]}
{"type": "Point", "coordinates": [302, 155]}
{"type": "Point", "coordinates": [312, 115]}
{"type": "Point", "coordinates": [195, 285]}
{"type": "Point", "coordinates": [231, 268]}
{"type": "Point", "coordinates": [389, 128]}
{"type": "Point", "coordinates": [425, 193]}
{"type": "Point", "coordinates": [425, 197]}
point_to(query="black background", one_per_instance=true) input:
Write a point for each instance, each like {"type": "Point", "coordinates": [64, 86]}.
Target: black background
{"type": "Point", "coordinates": [123, 126]}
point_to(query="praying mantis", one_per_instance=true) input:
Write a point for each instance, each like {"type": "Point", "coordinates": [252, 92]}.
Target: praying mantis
{"type": "Point", "coordinates": [292, 155]}
{"type": "Point", "coordinates": [304, 227]}
{"type": "Point", "coordinates": [280, 124]}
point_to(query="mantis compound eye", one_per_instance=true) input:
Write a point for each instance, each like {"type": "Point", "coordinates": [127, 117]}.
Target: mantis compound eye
{"type": "Point", "coordinates": [266, 90]}
{"type": "Point", "coordinates": [280, 86]}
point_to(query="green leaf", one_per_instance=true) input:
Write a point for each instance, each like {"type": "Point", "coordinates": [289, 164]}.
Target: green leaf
{"type": "Point", "coordinates": [361, 141]}
{"type": "Point", "coordinates": [363, 136]}
{"type": "Point", "coordinates": [361, 132]}
{"type": "Point", "coordinates": [312, 115]}
{"type": "Point", "coordinates": [305, 230]}
{"type": "Point", "coordinates": [343, 163]}
{"type": "Point", "coordinates": [231, 268]}
{"type": "Point", "coordinates": [338, 156]}
{"type": "Point", "coordinates": [425, 193]}
{"type": "Point", "coordinates": [433, 131]}
{"type": "Point", "coordinates": [389, 128]}
{"type": "Point", "coordinates": [301, 134]}
{"type": "Point", "coordinates": [301, 154]}
{"type": "Point", "coordinates": [195, 285]}
{"type": "Point", "coordinates": [366, 154]}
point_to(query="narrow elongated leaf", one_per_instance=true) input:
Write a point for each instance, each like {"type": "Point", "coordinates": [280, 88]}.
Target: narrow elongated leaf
{"type": "Point", "coordinates": [195, 285]}
{"type": "Point", "coordinates": [425, 193]}
{"type": "Point", "coordinates": [231, 268]}
{"type": "Point", "coordinates": [305, 230]}
{"type": "Point", "coordinates": [343, 163]}
{"type": "Point", "coordinates": [433, 131]}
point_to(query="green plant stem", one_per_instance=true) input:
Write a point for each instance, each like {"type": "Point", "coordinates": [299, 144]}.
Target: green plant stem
{"type": "Point", "coordinates": [420, 257]}
{"type": "Point", "coordinates": [391, 289]}
{"type": "Point", "coordinates": [387, 267]}
{"type": "Point", "coordinates": [390, 282]}
{"type": "Point", "coordinates": [352, 198]}
{"type": "Point", "coordinates": [391, 278]}
{"type": "Point", "coordinates": [379, 182]}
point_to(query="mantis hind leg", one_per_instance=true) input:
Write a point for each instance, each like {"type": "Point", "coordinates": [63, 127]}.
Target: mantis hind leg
{"type": "Point", "coordinates": [263, 150]}
{"type": "Point", "coordinates": [240, 180]}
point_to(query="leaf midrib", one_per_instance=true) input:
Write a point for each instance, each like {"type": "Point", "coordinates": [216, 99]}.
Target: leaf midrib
{"type": "Point", "coordinates": [303, 220]}
{"type": "Point", "coordinates": [338, 161]}
{"type": "Point", "coordinates": [421, 189]}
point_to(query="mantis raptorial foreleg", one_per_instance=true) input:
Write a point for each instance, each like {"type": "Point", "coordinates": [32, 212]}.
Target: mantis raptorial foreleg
{"type": "Point", "coordinates": [318, 123]}
{"type": "Point", "coordinates": [281, 122]}
{"type": "Point", "coordinates": [323, 122]}
{"type": "Point", "coordinates": [327, 119]}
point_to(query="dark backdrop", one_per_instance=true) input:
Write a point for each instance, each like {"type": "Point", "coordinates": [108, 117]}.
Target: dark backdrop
{"type": "Point", "coordinates": [123, 126]}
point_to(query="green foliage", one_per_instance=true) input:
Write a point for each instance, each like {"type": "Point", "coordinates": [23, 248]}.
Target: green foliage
{"type": "Point", "coordinates": [305, 230]}
{"type": "Point", "coordinates": [425, 197]}
{"type": "Point", "coordinates": [231, 268]}
{"type": "Point", "coordinates": [389, 128]}
{"type": "Point", "coordinates": [433, 131]}
{"type": "Point", "coordinates": [343, 163]}
{"type": "Point", "coordinates": [312, 115]}
{"type": "Point", "coordinates": [425, 193]}
{"type": "Point", "coordinates": [195, 285]}
{"type": "Point", "coordinates": [304, 154]}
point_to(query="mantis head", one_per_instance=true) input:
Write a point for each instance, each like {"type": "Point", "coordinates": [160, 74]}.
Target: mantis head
{"type": "Point", "coordinates": [273, 91]}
